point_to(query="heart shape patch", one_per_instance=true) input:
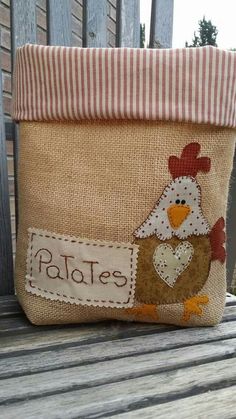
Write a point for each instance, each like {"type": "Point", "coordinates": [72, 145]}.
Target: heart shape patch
{"type": "Point", "coordinates": [169, 263]}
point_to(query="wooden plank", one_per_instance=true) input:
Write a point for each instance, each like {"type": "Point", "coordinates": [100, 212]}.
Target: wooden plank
{"type": "Point", "coordinates": [77, 10]}
{"type": "Point", "coordinates": [95, 23]}
{"type": "Point", "coordinates": [231, 228]}
{"type": "Point", "coordinates": [161, 24]}
{"type": "Point", "coordinates": [125, 367]}
{"type": "Point", "coordinates": [8, 299]}
{"type": "Point", "coordinates": [9, 130]}
{"type": "Point", "coordinates": [23, 22]}
{"type": "Point", "coordinates": [85, 376]}
{"type": "Point", "coordinates": [230, 299]}
{"type": "Point", "coordinates": [41, 4]}
{"type": "Point", "coordinates": [59, 22]}
{"type": "Point", "coordinates": [123, 396]}
{"type": "Point", "coordinates": [63, 337]}
{"type": "Point", "coordinates": [77, 27]}
{"type": "Point", "coordinates": [216, 404]}
{"type": "Point", "coordinates": [229, 313]}
{"type": "Point", "coordinates": [22, 324]}
{"type": "Point", "coordinates": [10, 310]}
{"type": "Point", "coordinates": [23, 30]}
{"type": "Point", "coordinates": [5, 38]}
{"type": "Point", "coordinates": [110, 343]}
{"type": "Point", "coordinates": [41, 37]}
{"type": "Point", "coordinates": [4, 16]}
{"type": "Point", "coordinates": [128, 23]}
{"type": "Point", "coordinates": [16, 325]}
{"type": "Point", "coordinates": [41, 18]}
{"type": "Point", "coordinates": [76, 40]}
{"type": "Point", "coordinates": [111, 11]}
{"type": "Point", "coordinates": [6, 2]}
{"type": "Point", "coordinates": [6, 60]}
{"type": "Point", "coordinates": [10, 164]}
{"type": "Point", "coordinates": [6, 261]}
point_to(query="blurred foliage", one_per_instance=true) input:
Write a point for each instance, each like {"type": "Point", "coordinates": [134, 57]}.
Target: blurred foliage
{"type": "Point", "coordinates": [206, 35]}
{"type": "Point", "coordinates": [142, 35]}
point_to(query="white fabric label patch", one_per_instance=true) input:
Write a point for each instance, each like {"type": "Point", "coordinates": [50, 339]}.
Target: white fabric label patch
{"type": "Point", "coordinates": [80, 271]}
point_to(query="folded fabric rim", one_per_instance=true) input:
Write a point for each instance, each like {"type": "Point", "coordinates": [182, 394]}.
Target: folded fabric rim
{"type": "Point", "coordinates": [68, 83]}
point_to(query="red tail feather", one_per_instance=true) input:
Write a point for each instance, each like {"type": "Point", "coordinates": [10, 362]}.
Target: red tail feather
{"type": "Point", "coordinates": [217, 239]}
{"type": "Point", "coordinates": [189, 164]}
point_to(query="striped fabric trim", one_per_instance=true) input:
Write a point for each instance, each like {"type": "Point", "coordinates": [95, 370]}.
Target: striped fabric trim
{"type": "Point", "coordinates": [61, 83]}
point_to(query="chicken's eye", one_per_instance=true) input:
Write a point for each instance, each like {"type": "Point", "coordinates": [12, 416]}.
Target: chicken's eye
{"type": "Point", "coordinates": [177, 201]}
{"type": "Point", "coordinates": [183, 202]}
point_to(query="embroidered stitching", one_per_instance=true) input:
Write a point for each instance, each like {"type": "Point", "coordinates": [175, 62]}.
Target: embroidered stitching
{"type": "Point", "coordinates": [57, 237]}
{"type": "Point", "coordinates": [217, 238]}
{"type": "Point", "coordinates": [177, 216]}
{"type": "Point", "coordinates": [189, 164]}
{"type": "Point", "coordinates": [164, 267]}
{"type": "Point", "coordinates": [183, 169]}
{"type": "Point", "coordinates": [143, 231]}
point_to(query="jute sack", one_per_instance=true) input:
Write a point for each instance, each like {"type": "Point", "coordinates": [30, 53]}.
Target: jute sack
{"type": "Point", "coordinates": [124, 168]}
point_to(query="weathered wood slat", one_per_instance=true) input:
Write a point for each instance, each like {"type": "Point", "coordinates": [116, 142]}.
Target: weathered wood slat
{"type": "Point", "coordinates": [57, 357]}
{"type": "Point", "coordinates": [23, 22]}
{"type": "Point", "coordinates": [62, 378]}
{"type": "Point", "coordinates": [21, 324]}
{"type": "Point", "coordinates": [231, 227]}
{"type": "Point", "coordinates": [43, 337]}
{"type": "Point", "coordinates": [59, 22]}
{"type": "Point", "coordinates": [230, 299]}
{"type": "Point", "coordinates": [8, 299]}
{"type": "Point", "coordinates": [125, 395]}
{"type": "Point", "coordinates": [6, 261]}
{"type": "Point", "coordinates": [229, 313]}
{"type": "Point", "coordinates": [23, 31]}
{"type": "Point", "coordinates": [128, 23]}
{"type": "Point", "coordinates": [9, 127]}
{"type": "Point", "coordinates": [10, 310]}
{"type": "Point", "coordinates": [18, 324]}
{"type": "Point", "coordinates": [161, 24]}
{"type": "Point", "coordinates": [95, 23]}
{"type": "Point", "coordinates": [216, 404]}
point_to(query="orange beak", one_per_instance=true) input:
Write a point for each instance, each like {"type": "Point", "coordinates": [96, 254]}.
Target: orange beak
{"type": "Point", "coordinates": [177, 214]}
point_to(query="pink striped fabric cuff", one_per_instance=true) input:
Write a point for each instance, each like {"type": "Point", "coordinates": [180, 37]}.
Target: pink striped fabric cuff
{"type": "Point", "coordinates": [61, 83]}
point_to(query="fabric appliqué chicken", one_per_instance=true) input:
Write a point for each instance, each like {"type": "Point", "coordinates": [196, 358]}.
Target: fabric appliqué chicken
{"type": "Point", "coordinates": [176, 243]}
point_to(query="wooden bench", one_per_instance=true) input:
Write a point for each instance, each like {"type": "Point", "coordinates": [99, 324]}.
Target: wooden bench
{"type": "Point", "coordinates": [114, 368]}
{"type": "Point", "coordinates": [126, 370]}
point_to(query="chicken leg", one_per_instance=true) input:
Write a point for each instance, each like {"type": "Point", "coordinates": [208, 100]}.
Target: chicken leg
{"type": "Point", "coordinates": [192, 306]}
{"type": "Point", "coordinates": [144, 312]}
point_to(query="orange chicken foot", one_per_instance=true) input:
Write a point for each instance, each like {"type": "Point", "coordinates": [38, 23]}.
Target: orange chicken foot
{"type": "Point", "coordinates": [192, 306]}
{"type": "Point", "coordinates": [143, 312]}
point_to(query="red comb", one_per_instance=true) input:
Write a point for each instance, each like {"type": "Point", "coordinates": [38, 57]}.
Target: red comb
{"type": "Point", "coordinates": [189, 164]}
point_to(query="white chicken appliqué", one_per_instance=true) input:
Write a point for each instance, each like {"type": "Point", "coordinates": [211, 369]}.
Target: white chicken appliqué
{"type": "Point", "coordinates": [177, 213]}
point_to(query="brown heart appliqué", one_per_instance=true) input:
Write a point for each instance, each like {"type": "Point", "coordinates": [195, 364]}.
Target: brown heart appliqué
{"type": "Point", "coordinates": [169, 263]}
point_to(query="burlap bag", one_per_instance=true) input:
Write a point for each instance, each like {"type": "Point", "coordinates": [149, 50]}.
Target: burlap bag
{"type": "Point", "coordinates": [124, 168]}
